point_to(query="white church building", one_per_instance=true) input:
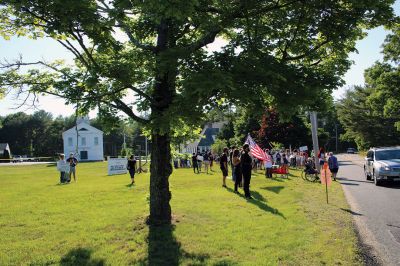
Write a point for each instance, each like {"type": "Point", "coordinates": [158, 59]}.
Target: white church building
{"type": "Point", "coordinates": [90, 141]}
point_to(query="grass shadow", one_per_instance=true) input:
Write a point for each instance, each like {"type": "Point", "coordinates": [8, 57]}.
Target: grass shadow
{"type": "Point", "coordinates": [275, 189]}
{"type": "Point", "coordinates": [348, 184]}
{"type": "Point", "coordinates": [164, 249]}
{"type": "Point", "coordinates": [352, 180]}
{"type": "Point", "coordinates": [259, 201]}
{"type": "Point", "coordinates": [80, 256]}
{"type": "Point", "coordinates": [51, 164]}
{"type": "Point", "coordinates": [351, 212]}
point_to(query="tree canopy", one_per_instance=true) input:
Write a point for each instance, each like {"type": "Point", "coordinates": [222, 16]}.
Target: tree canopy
{"type": "Point", "coordinates": [371, 114]}
{"type": "Point", "coordinates": [135, 56]}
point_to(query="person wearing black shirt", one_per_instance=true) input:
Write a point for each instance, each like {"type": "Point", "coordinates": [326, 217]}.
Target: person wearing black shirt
{"type": "Point", "coordinates": [246, 163]}
{"type": "Point", "coordinates": [237, 169]}
{"type": "Point", "coordinates": [132, 168]}
{"type": "Point", "coordinates": [231, 162]}
{"type": "Point", "coordinates": [223, 161]}
{"type": "Point", "coordinates": [194, 163]}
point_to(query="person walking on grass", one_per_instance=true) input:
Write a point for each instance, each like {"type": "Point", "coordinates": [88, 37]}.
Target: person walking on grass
{"type": "Point", "coordinates": [333, 165]}
{"type": "Point", "coordinates": [223, 161]}
{"type": "Point", "coordinates": [73, 162]}
{"type": "Point", "coordinates": [132, 168]}
{"type": "Point", "coordinates": [195, 164]}
{"type": "Point", "coordinates": [211, 157]}
{"type": "Point", "coordinates": [246, 165]}
{"type": "Point", "coordinates": [237, 169]}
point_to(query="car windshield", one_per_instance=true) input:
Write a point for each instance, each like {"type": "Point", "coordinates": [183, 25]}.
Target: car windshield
{"type": "Point", "coordinates": [387, 155]}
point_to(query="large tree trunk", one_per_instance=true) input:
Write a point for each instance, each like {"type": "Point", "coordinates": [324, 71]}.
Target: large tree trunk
{"type": "Point", "coordinates": [161, 169]}
{"type": "Point", "coordinates": [163, 93]}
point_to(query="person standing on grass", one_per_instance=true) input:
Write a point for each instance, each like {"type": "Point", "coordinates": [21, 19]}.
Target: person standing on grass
{"type": "Point", "coordinates": [211, 157]}
{"type": "Point", "coordinates": [333, 165]}
{"type": "Point", "coordinates": [194, 163]}
{"type": "Point", "coordinates": [206, 161]}
{"type": "Point", "coordinates": [73, 162]}
{"type": "Point", "coordinates": [61, 163]}
{"type": "Point", "coordinates": [321, 156]}
{"type": "Point", "coordinates": [231, 162]}
{"type": "Point", "coordinates": [200, 159]}
{"type": "Point", "coordinates": [246, 165]}
{"type": "Point", "coordinates": [223, 161]}
{"type": "Point", "coordinates": [132, 168]}
{"type": "Point", "coordinates": [237, 169]}
{"type": "Point", "coordinates": [278, 158]}
{"type": "Point", "coordinates": [268, 164]}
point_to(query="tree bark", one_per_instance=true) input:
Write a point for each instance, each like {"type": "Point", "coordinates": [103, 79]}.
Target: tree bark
{"type": "Point", "coordinates": [163, 94]}
{"type": "Point", "coordinates": [161, 169]}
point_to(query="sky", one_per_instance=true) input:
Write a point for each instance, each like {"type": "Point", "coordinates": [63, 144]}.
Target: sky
{"type": "Point", "coordinates": [369, 51]}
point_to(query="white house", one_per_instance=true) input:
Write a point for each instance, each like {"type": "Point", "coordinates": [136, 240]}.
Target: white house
{"type": "Point", "coordinates": [207, 138]}
{"type": "Point", "coordinates": [90, 141]}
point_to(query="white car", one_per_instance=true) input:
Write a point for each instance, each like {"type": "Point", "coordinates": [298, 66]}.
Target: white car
{"type": "Point", "coordinates": [382, 164]}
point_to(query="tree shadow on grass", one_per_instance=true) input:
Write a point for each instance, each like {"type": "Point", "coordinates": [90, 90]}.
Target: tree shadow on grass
{"type": "Point", "coordinates": [259, 201]}
{"type": "Point", "coordinates": [275, 189]}
{"type": "Point", "coordinates": [80, 256]}
{"type": "Point", "coordinates": [164, 249]}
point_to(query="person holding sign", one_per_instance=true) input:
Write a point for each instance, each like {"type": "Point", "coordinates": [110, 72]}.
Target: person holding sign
{"type": "Point", "coordinates": [63, 168]}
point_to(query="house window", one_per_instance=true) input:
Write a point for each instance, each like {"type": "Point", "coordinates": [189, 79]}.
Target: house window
{"type": "Point", "coordinates": [96, 141]}
{"type": "Point", "coordinates": [69, 141]}
{"type": "Point", "coordinates": [83, 141]}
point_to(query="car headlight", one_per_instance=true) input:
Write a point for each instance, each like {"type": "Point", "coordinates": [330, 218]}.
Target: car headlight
{"type": "Point", "coordinates": [384, 168]}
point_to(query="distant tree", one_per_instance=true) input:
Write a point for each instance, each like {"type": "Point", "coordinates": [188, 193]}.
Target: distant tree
{"type": "Point", "coordinates": [218, 146]}
{"type": "Point", "coordinates": [365, 125]}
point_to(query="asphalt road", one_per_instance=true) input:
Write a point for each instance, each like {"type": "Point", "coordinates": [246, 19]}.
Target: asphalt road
{"type": "Point", "coordinates": [376, 211]}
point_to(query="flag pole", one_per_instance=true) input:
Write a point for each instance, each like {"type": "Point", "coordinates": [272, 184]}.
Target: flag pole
{"type": "Point", "coordinates": [326, 185]}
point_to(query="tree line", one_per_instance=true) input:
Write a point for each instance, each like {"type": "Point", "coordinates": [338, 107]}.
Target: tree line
{"type": "Point", "coordinates": [40, 134]}
{"type": "Point", "coordinates": [370, 114]}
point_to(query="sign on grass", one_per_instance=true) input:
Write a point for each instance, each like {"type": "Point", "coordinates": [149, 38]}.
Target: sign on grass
{"type": "Point", "coordinates": [117, 166]}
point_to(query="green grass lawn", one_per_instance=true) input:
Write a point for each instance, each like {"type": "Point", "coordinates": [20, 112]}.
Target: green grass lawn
{"type": "Point", "coordinates": [100, 220]}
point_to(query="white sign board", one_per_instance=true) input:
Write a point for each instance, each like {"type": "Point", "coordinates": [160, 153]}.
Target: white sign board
{"type": "Point", "coordinates": [63, 166]}
{"type": "Point", "coordinates": [117, 166]}
{"type": "Point", "coordinates": [303, 148]}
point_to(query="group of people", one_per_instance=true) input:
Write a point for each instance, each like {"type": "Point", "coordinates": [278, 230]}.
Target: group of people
{"type": "Point", "coordinates": [242, 164]}
{"type": "Point", "coordinates": [67, 168]}
{"type": "Point", "coordinates": [205, 159]}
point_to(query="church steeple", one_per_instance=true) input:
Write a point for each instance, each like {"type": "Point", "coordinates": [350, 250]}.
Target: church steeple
{"type": "Point", "coordinates": [83, 119]}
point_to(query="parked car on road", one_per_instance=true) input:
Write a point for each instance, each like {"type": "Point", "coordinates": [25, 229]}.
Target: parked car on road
{"type": "Point", "coordinates": [382, 164]}
{"type": "Point", "coordinates": [351, 150]}
{"type": "Point", "coordinates": [17, 159]}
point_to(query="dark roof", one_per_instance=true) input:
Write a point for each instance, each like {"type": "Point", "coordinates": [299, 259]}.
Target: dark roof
{"type": "Point", "coordinates": [3, 146]}
{"type": "Point", "coordinates": [208, 140]}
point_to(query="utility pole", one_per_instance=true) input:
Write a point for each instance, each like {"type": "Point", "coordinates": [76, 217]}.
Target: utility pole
{"type": "Point", "coordinates": [76, 129]}
{"type": "Point", "coordinates": [145, 146]}
{"type": "Point", "coordinates": [336, 137]}
{"type": "Point", "coordinates": [314, 133]}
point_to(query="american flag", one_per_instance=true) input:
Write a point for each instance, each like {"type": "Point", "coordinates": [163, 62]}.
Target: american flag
{"type": "Point", "coordinates": [256, 151]}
